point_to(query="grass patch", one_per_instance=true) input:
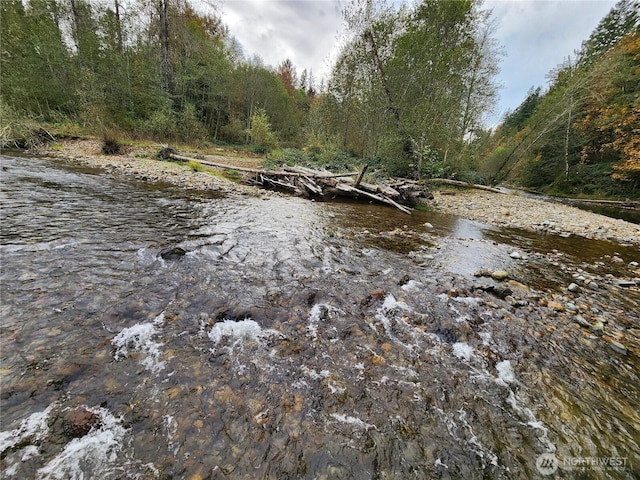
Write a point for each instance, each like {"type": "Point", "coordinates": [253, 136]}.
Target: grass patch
{"type": "Point", "coordinates": [233, 175]}
{"type": "Point", "coordinates": [195, 166]}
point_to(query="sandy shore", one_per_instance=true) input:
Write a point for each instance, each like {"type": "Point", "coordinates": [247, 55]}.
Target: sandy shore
{"type": "Point", "coordinates": [500, 210]}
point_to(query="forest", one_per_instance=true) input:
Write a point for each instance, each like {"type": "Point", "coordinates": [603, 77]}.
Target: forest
{"type": "Point", "coordinates": [408, 93]}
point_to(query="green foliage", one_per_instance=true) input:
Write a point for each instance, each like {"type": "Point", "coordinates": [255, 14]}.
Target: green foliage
{"type": "Point", "coordinates": [578, 136]}
{"type": "Point", "coordinates": [314, 156]}
{"type": "Point", "coordinates": [420, 71]}
{"type": "Point", "coordinates": [516, 120]}
{"type": "Point", "coordinates": [190, 128]}
{"type": "Point", "coordinates": [407, 91]}
{"type": "Point", "coordinates": [101, 68]}
{"type": "Point", "coordinates": [161, 124]}
{"type": "Point", "coordinates": [427, 161]}
{"type": "Point", "coordinates": [260, 132]}
{"type": "Point", "coordinates": [16, 130]}
{"type": "Point", "coordinates": [622, 19]}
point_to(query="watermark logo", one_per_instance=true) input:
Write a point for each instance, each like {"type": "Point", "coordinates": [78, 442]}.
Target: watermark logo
{"type": "Point", "coordinates": [547, 463]}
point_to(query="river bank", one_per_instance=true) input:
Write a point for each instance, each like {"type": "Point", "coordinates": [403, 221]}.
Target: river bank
{"type": "Point", "coordinates": [511, 211]}
{"type": "Point", "coordinates": [140, 162]}
{"type": "Point", "coordinates": [514, 211]}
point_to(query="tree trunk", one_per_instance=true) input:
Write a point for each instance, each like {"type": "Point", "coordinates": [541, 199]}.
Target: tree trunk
{"type": "Point", "coordinates": [163, 13]}
{"type": "Point", "coordinates": [118, 26]}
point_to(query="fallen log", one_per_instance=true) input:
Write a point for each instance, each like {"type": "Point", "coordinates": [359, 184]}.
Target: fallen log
{"type": "Point", "coordinates": [293, 171]}
{"type": "Point", "coordinates": [361, 174]}
{"type": "Point", "coordinates": [348, 188]}
{"type": "Point", "coordinates": [307, 182]}
{"type": "Point", "coordinates": [180, 158]}
{"type": "Point", "coordinates": [316, 173]}
{"type": "Point", "coordinates": [457, 183]}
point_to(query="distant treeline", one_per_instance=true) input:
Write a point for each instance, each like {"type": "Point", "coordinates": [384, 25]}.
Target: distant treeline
{"type": "Point", "coordinates": [582, 135]}
{"type": "Point", "coordinates": [408, 91]}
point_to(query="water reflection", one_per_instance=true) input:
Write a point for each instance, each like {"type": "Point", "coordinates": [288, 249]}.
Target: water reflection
{"type": "Point", "coordinates": [298, 340]}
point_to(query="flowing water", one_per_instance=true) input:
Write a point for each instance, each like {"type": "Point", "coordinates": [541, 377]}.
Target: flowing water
{"type": "Point", "coordinates": [302, 340]}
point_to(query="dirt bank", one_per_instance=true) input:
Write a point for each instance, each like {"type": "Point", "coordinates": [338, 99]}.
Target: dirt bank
{"type": "Point", "coordinates": [501, 210]}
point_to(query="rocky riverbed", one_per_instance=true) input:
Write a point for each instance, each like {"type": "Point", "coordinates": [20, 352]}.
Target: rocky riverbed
{"type": "Point", "coordinates": [507, 210]}
{"type": "Point", "coordinates": [512, 210]}
{"type": "Point", "coordinates": [153, 332]}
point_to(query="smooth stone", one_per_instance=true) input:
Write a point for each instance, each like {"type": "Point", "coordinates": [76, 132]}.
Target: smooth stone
{"type": "Point", "coordinates": [515, 255]}
{"type": "Point", "coordinates": [558, 307]}
{"type": "Point", "coordinates": [618, 347]}
{"type": "Point", "coordinates": [573, 288]}
{"type": "Point", "coordinates": [499, 275]}
{"type": "Point", "coordinates": [579, 319]}
{"type": "Point", "coordinates": [172, 253]}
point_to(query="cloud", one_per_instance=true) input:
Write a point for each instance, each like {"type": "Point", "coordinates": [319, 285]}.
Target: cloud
{"type": "Point", "coordinates": [305, 31]}
{"type": "Point", "coordinates": [538, 36]}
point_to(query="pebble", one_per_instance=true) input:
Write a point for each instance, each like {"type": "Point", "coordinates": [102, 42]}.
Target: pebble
{"type": "Point", "coordinates": [80, 421]}
{"type": "Point", "coordinates": [574, 288]}
{"type": "Point", "coordinates": [618, 347]}
{"type": "Point", "coordinates": [515, 255]}
{"type": "Point", "coordinates": [571, 307]}
{"type": "Point", "coordinates": [579, 319]}
{"type": "Point", "coordinates": [556, 306]}
{"type": "Point", "coordinates": [499, 275]}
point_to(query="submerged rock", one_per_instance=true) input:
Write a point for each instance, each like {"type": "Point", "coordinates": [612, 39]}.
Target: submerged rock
{"type": "Point", "coordinates": [172, 253]}
{"type": "Point", "coordinates": [78, 422]}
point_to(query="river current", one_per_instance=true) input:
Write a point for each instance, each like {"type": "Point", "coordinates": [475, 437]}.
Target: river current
{"type": "Point", "coordinates": [302, 340]}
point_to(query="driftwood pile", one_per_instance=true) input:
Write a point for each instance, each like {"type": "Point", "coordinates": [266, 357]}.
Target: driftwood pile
{"type": "Point", "coordinates": [400, 193]}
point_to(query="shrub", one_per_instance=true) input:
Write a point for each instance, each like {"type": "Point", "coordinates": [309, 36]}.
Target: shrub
{"type": "Point", "coordinates": [110, 144]}
{"type": "Point", "coordinates": [260, 132]}
{"type": "Point", "coordinates": [161, 124]}
{"type": "Point", "coordinates": [234, 131]}
{"type": "Point", "coordinates": [191, 128]}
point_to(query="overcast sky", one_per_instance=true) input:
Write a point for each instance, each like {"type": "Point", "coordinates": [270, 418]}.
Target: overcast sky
{"type": "Point", "coordinates": [537, 35]}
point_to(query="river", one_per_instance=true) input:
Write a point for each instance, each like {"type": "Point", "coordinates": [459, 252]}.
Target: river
{"type": "Point", "coordinates": [302, 340]}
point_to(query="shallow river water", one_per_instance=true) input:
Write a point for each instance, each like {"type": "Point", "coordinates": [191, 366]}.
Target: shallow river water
{"type": "Point", "coordinates": [302, 340]}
